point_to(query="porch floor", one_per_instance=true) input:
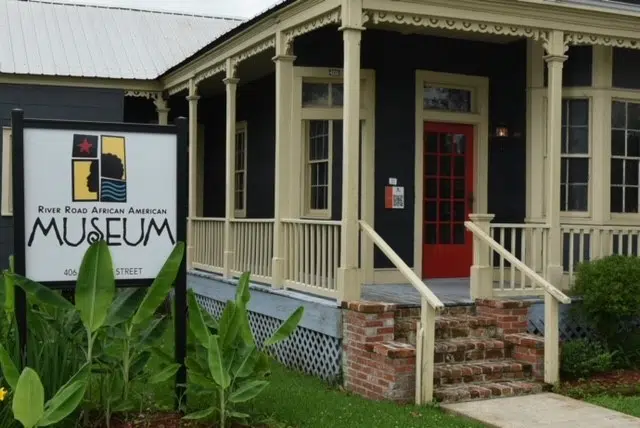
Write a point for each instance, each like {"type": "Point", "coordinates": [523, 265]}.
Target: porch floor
{"type": "Point", "coordinates": [451, 291]}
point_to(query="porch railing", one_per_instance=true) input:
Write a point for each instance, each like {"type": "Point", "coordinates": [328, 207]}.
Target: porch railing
{"type": "Point", "coordinates": [426, 331]}
{"type": "Point", "coordinates": [552, 295]}
{"type": "Point", "coordinates": [528, 243]}
{"type": "Point", "coordinates": [208, 244]}
{"type": "Point", "coordinates": [582, 243]}
{"type": "Point", "coordinates": [252, 243]}
{"type": "Point", "coordinates": [312, 256]}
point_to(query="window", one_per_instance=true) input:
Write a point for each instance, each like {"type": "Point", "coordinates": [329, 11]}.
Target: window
{"type": "Point", "coordinates": [447, 99]}
{"type": "Point", "coordinates": [7, 182]}
{"type": "Point", "coordinates": [625, 156]}
{"type": "Point", "coordinates": [318, 166]}
{"type": "Point", "coordinates": [574, 180]}
{"type": "Point", "coordinates": [240, 171]}
{"type": "Point", "coordinates": [322, 94]}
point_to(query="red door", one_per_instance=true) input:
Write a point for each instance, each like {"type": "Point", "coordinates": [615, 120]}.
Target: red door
{"type": "Point", "coordinates": [448, 194]}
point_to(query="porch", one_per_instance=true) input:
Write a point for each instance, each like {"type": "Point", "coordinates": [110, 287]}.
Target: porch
{"type": "Point", "coordinates": [371, 173]}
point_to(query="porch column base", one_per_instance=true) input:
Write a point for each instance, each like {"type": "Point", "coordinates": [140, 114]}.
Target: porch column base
{"type": "Point", "coordinates": [277, 272]}
{"type": "Point", "coordinates": [227, 262]}
{"type": "Point", "coordinates": [481, 282]}
{"type": "Point", "coordinates": [189, 256]}
{"type": "Point", "coordinates": [349, 283]}
{"type": "Point", "coordinates": [554, 275]}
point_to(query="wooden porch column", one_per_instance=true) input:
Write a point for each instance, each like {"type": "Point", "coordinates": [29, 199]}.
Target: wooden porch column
{"type": "Point", "coordinates": [555, 58]}
{"type": "Point", "coordinates": [282, 177]}
{"type": "Point", "coordinates": [192, 98]}
{"type": "Point", "coordinates": [231, 83]}
{"type": "Point", "coordinates": [481, 278]}
{"type": "Point", "coordinates": [162, 110]}
{"type": "Point", "coordinates": [349, 280]}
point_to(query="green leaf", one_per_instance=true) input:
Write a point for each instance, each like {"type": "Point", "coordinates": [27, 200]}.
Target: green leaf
{"type": "Point", "coordinates": [286, 328]}
{"type": "Point", "coordinates": [154, 331]}
{"type": "Point", "coordinates": [28, 398]}
{"type": "Point", "coordinates": [9, 289]}
{"type": "Point", "coordinates": [238, 415]}
{"type": "Point", "coordinates": [124, 306]}
{"type": "Point", "coordinates": [216, 364]}
{"type": "Point", "coordinates": [197, 323]}
{"type": "Point", "coordinates": [242, 292]}
{"type": "Point", "coordinates": [165, 374]}
{"type": "Point", "coordinates": [201, 414]}
{"type": "Point", "coordinates": [262, 367]}
{"type": "Point", "coordinates": [95, 286]}
{"type": "Point", "coordinates": [38, 292]}
{"type": "Point", "coordinates": [248, 391]}
{"type": "Point", "coordinates": [229, 328]}
{"type": "Point", "coordinates": [9, 369]}
{"type": "Point", "coordinates": [138, 364]}
{"type": "Point", "coordinates": [161, 285]}
{"type": "Point", "coordinates": [243, 365]}
{"type": "Point", "coordinates": [64, 403]}
{"type": "Point", "coordinates": [201, 380]}
{"type": "Point", "coordinates": [163, 356]}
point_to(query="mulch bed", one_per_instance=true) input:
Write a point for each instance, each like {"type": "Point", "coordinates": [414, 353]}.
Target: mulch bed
{"type": "Point", "coordinates": [166, 420]}
{"type": "Point", "coordinates": [624, 382]}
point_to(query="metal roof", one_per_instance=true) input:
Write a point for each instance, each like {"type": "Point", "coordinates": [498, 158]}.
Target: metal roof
{"type": "Point", "coordinates": [61, 39]}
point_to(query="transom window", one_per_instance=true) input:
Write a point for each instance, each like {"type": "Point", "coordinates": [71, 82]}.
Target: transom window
{"type": "Point", "coordinates": [574, 180]}
{"type": "Point", "coordinates": [448, 99]}
{"type": "Point", "coordinates": [322, 94]}
{"type": "Point", "coordinates": [240, 171]}
{"type": "Point", "coordinates": [318, 168]}
{"type": "Point", "coordinates": [625, 156]}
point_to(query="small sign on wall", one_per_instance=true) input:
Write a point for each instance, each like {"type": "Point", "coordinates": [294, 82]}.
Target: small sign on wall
{"type": "Point", "coordinates": [394, 197]}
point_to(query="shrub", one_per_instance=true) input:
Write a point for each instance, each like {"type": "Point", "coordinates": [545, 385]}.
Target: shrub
{"type": "Point", "coordinates": [582, 357]}
{"type": "Point", "coordinates": [610, 288]}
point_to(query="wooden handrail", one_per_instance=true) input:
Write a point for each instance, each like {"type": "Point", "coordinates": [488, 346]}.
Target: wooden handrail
{"type": "Point", "coordinates": [404, 269]}
{"type": "Point", "coordinates": [534, 276]}
{"type": "Point", "coordinates": [311, 221]}
{"type": "Point", "coordinates": [206, 218]}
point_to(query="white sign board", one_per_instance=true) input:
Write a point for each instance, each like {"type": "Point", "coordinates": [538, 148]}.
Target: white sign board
{"type": "Point", "coordinates": [81, 186]}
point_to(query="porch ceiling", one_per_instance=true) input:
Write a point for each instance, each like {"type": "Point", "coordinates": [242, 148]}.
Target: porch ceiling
{"type": "Point", "coordinates": [464, 35]}
{"type": "Point", "coordinates": [249, 70]}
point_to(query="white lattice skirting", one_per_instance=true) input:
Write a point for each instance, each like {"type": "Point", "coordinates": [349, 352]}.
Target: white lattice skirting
{"type": "Point", "coordinates": [314, 348]}
{"type": "Point", "coordinates": [570, 327]}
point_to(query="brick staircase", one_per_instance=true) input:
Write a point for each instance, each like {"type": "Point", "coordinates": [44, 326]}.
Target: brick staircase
{"type": "Point", "coordinates": [482, 351]}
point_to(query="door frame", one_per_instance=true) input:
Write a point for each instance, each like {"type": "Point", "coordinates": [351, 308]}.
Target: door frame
{"type": "Point", "coordinates": [479, 118]}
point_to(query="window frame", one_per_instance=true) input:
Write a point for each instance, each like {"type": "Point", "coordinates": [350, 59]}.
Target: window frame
{"type": "Point", "coordinates": [241, 129]}
{"type": "Point", "coordinates": [588, 156]}
{"type": "Point", "coordinates": [308, 210]}
{"type": "Point", "coordinates": [7, 168]}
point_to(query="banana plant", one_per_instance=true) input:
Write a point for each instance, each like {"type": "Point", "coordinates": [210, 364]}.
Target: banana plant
{"type": "Point", "coordinates": [129, 319]}
{"type": "Point", "coordinates": [227, 363]}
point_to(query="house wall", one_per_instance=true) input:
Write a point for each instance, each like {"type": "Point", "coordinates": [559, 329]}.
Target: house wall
{"type": "Point", "coordinates": [53, 102]}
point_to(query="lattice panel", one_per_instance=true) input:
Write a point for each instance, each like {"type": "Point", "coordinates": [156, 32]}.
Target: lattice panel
{"type": "Point", "coordinates": [571, 329]}
{"type": "Point", "coordinates": [306, 350]}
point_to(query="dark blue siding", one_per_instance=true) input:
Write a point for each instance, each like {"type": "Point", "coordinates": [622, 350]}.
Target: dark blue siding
{"type": "Point", "coordinates": [54, 102]}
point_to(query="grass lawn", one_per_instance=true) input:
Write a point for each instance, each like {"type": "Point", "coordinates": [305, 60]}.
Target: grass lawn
{"type": "Point", "coordinates": [629, 405]}
{"type": "Point", "coordinates": [297, 400]}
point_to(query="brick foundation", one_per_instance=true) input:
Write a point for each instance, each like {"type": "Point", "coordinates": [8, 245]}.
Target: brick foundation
{"type": "Point", "coordinates": [528, 348]}
{"type": "Point", "coordinates": [375, 366]}
{"type": "Point", "coordinates": [512, 316]}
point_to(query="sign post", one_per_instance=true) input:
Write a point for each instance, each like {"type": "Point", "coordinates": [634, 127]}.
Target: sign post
{"type": "Point", "coordinates": [76, 182]}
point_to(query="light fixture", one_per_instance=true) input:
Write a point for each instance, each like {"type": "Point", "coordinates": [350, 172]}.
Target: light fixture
{"type": "Point", "coordinates": [502, 131]}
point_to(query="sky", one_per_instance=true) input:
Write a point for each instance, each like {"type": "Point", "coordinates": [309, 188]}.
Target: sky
{"type": "Point", "coordinates": [236, 8]}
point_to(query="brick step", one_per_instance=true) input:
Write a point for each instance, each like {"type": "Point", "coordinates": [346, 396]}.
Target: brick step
{"type": "Point", "coordinates": [481, 371]}
{"type": "Point", "coordinates": [449, 327]}
{"type": "Point", "coordinates": [486, 390]}
{"type": "Point", "coordinates": [468, 349]}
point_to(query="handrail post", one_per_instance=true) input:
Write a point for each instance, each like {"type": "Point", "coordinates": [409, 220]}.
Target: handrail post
{"type": "Point", "coordinates": [425, 371]}
{"type": "Point", "coordinates": [481, 277]}
{"type": "Point", "coordinates": [551, 339]}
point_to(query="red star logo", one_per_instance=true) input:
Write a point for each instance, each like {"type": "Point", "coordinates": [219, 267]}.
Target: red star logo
{"type": "Point", "coordinates": [85, 146]}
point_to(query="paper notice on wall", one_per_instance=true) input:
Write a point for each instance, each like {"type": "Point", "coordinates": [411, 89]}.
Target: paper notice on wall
{"type": "Point", "coordinates": [394, 197]}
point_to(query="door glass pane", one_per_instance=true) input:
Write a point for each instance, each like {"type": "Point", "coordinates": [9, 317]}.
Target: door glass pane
{"type": "Point", "coordinates": [458, 233]}
{"type": "Point", "coordinates": [445, 234]}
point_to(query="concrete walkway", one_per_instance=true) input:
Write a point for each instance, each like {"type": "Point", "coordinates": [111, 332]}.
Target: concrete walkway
{"type": "Point", "coordinates": [542, 411]}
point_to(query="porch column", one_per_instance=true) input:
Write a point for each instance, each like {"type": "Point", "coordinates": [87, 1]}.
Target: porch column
{"type": "Point", "coordinates": [231, 84]}
{"type": "Point", "coordinates": [284, 90]}
{"type": "Point", "coordinates": [192, 98]}
{"type": "Point", "coordinates": [162, 110]}
{"type": "Point", "coordinates": [349, 281]}
{"type": "Point", "coordinates": [555, 58]}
